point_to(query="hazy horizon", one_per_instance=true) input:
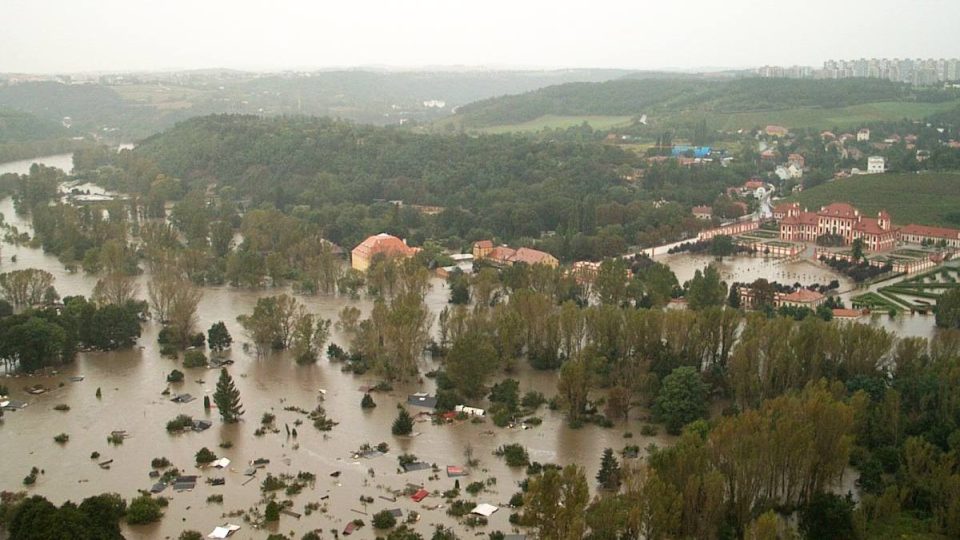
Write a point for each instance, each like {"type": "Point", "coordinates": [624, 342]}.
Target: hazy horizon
{"type": "Point", "coordinates": [60, 36]}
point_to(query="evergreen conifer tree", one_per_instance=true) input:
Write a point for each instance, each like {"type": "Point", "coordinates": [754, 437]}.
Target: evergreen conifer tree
{"type": "Point", "coordinates": [403, 425]}
{"type": "Point", "coordinates": [609, 474]}
{"type": "Point", "coordinates": [227, 398]}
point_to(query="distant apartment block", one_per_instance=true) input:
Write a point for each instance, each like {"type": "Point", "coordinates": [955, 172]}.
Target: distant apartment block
{"type": "Point", "coordinates": [876, 165]}
{"type": "Point", "coordinates": [918, 72]}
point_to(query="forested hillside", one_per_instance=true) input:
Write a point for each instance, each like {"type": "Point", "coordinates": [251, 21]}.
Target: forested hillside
{"type": "Point", "coordinates": [507, 186]}
{"type": "Point", "coordinates": [23, 135]}
{"type": "Point", "coordinates": [138, 105]}
{"type": "Point", "coordinates": [649, 96]}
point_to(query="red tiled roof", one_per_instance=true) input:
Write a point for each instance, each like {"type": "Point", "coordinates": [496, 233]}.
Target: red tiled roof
{"type": "Point", "coordinates": [869, 226]}
{"type": "Point", "coordinates": [501, 253]}
{"type": "Point", "coordinates": [753, 184]}
{"type": "Point", "coordinates": [702, 210]}
{"type": "Point", "coordinates": [532, 256]}
{"type": "Point", "coordinates": [936, 232]}
{"type": "Point", "coordinates": [483, 244]}
{"type": "Point", "coordinates": [803, 296]}
{"type": "Point", "coordinates": [784, 207]}
{"type": "Point", "coordinates": [803, 218]}
{"type": "Point", "coordinates": [383, 243]}
{"type": "Point", "coordinates": [842, 210]}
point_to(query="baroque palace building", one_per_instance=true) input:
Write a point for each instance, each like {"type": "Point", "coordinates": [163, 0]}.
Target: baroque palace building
{"type": "Point", "coordinates": [837, 219]}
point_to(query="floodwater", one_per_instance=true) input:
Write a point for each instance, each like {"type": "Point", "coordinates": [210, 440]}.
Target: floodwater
{"type": "Point", "coordinates": [61, 161]}
{"type": "Point", "coordinates": [131, 382]}
{"type": "Point", "coordinates": [806, 271]}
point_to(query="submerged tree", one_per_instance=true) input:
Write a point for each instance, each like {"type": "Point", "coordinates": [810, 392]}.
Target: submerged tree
{"type": "Point", "coordinates": [227, 398]}
{"type": "Point", "coordinates": [403, 425]}
{"type": "Point", "coordinates": [24, 288]}
{"type": "Point", "coordinates": [609, 474]}
{"type": "Point", "coordinates": [218, 337]}
{"type": "Point", "coordinates": [555, 502]}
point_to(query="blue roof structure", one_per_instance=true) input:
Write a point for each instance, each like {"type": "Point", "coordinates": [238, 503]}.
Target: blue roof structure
{"type": "Point", "coordinates": [682, 150]}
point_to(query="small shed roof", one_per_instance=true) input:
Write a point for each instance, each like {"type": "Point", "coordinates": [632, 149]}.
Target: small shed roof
{"type": "Point", "coordinates": [484, 509]}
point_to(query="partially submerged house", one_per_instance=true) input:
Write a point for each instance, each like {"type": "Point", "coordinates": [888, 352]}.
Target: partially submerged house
{"type": "Point", "coordinates": [224, 531]}
{"type": "Point", "coordinates": [422, 399]}
{"type": "Point", "coordinates": [484, 509]}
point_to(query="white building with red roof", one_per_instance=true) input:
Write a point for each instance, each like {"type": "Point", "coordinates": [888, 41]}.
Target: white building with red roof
{"type": "Point", "coordinates": [802, 298]}
{"type": "Point", "coordinates": [919, 234]}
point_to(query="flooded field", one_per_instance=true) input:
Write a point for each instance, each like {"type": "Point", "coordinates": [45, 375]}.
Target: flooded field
{"type": "Point", "coordinates": [132, 382]}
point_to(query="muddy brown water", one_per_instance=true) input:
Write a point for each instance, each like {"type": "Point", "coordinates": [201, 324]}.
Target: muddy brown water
{"type": "Point", "coordinates": [131, 382]}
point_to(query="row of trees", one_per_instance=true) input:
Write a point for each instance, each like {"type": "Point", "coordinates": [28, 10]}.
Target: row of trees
{"type": "Point", "coordinates": [280, 323]}
{"type": "Point", "coordinates": [717, 481]}
{"type": "Point", "coordinates": [43, 334]}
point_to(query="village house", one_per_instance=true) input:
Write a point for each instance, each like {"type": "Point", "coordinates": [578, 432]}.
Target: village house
{"type": "Point", "coordinates": [838, 219]}
{"type": "Point", "coordinates": [796, 159]}
{"type": "Point", "coordinates": [481, 249]}
{"type": "Point", "coordinates": [875, 165]}
{"type": "Point", "coordinates": [863, 135]}
{"type": "Point", "coordinates": [776, 131]}
{"type": "Point", "coordinates": [584, 271]}
{"type": "Point", "coordinates": [703, 212]}
{"type": "Point", "coordinates": [379, 244]}
{"type": "Point", "coordinates": [790, 171]}
{"type": "Point", "coordinates": [801, 298]}
{"type": "Point", "coordinates": [783, 210]}
{"type": "Point", "coordinates": [507, 256]}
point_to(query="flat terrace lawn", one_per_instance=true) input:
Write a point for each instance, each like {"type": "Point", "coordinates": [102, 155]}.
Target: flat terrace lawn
{"type": "Point", "coordinates": [160, 96]}
{"type": "Point", "coordinates": [562, 122]}
{"type": "Point", "coordinates": [818, 118]}
{"type": "Point", "coordinates": [925, 199]}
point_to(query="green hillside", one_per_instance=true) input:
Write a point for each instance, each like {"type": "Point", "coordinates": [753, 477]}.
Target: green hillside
{"type": "Point", "coordinates": [725, 104]}
{"type": "Point", "coordinates": [142, 104]}
{"type": "Point", "coordinates": [927, 198]}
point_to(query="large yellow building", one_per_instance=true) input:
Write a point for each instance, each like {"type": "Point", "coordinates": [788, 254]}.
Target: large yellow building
{"type": "Point", "coordinates": [383, 243]}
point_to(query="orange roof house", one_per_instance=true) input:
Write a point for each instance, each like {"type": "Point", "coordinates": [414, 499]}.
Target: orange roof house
{"type": "Point", "coordinates": [507, 256]}
{"type": "Point", "coordinates": [702, 212]}
{"type": "Point", "coordinates": [776, 131]}
{"type": "Point", "coordinates": [481, 249]}
{"type": "Point", "coordinates": [379, 244]}
{"type": "Point", "coordinates": [802, 298]}
{"type": "Point", "coordinates": [534, 256]}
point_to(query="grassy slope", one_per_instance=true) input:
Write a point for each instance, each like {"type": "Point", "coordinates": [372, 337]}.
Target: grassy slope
{"type": "Point", "coordinates": [817, 118]}
{"type": "Point", "coordinates": [562, 122]}
{"type": "Point", "coordinates": [796, 118]}
{"type": "Point", "coordinates": [927, 199]}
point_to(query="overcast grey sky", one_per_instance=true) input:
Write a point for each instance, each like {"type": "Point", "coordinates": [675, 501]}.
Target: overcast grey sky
{"type": "Point", "coordinates": [43, 36]}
